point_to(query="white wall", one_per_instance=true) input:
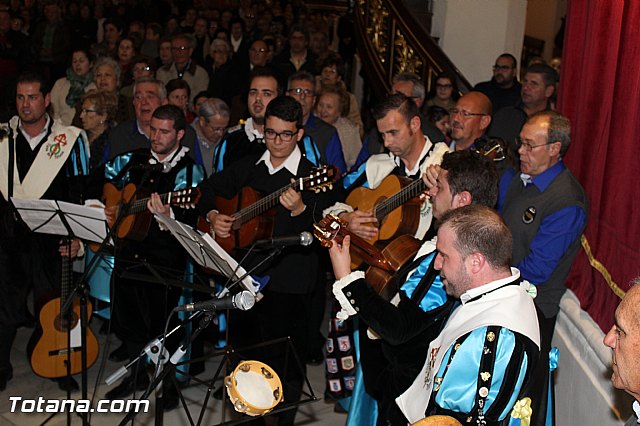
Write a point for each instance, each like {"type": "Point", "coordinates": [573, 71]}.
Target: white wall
{"type": "Point", "coordinates": [473, 33]}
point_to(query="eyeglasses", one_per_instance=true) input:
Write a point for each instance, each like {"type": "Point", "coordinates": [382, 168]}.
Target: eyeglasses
{"type": "Point", "coordinates": [444, 86]}
{"type": "Point", "coordinates": [140, 69]}
{"type": "Point", "coordinates": [254, 50]}
{"type": "Point", "coordinates": [217, 129]}
{"type": "Point", "coordinates": [286, 136]}
{"type": "Point", "coordinates": [502, 67]}
{"type": "Point", "coordinates": [86, 110]}
{"type": "Point", "coordinates": [180, 48]}
{"type": "Point", "coordinates": [299, 91]}
{"type": "Point", "coordinates": [465, 114]}
{"type": "Point", "coordinates": [527, 146]}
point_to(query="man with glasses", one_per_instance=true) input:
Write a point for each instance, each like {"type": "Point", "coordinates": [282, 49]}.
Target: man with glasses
{"type": "Point", "coordinates": [538, 86]}
{"type": "Point", "coordinates": [302, 87]}
{"type": "Point", "coordinates": [504, 88]}
{"type": "Point", "coordinates": [183, 67]}
{"type": "Point", "coordinates": [247, 138]}
{"type": "Point", "coordinates": [545, 207]}
{"type": "Point", "coordinates": [212, 121]}
{"type": "Point", "coordinates": [470, 118]}
{"type": "Point", "coordinates": [294, 272]}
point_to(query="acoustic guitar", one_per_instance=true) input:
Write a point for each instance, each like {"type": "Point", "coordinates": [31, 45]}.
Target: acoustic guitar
{"type": "Point", "coordinates": [135, 224]}
{"type": "Point", "coordinates": [383, 262]}
{"type": "Point", "coordinates": [49, 347]}
{"type": "Point", "coordinates": [253, 214]}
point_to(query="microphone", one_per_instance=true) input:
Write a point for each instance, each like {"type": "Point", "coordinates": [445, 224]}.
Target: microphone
{"type": "Point", "coordinates": [158, 167]}
{"type": "Point", "coordinates": [302, 239]}
{"type": "Point", "coordinates": [243, 301]}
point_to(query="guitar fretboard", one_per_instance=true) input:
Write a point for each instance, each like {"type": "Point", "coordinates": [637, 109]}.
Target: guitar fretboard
{"type": "Point", "coordinates": [264, 204]}
{"type": "Point", "coordinates": [405, 194]}
{"type": "Point", "coordinates": [141, 205]}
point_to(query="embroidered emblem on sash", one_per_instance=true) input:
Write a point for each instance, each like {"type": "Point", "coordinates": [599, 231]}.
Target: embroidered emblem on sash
{"type": "Point", "coordinates": [529, 215]}
{"type": "Point", "coordinates": [55, 149]}
{"type": "Point", "coordinates": [430, 365]}
{"type": "Point", "coordinates": [485, 376]}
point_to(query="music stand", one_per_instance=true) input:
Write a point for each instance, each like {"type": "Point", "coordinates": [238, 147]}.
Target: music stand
{"type": "Point", "coordinates": [70, 221]}
{"type": "Point", "coordinates": [209, 254]}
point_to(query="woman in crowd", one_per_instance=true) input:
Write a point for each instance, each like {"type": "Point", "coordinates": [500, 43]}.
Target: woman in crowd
{"type": "Point", "coordinates": [441, 118]}
{"type": "Point", "coordinates": [178, 94]}
{"type": "Point", "coordinates": [444, 93]}
{"type": "Point", "coordinates": [140, 67]}
{"type": "Point", "coordinates": [126, 52]}
{"type": "Point", "coordinates": [221, 71]}
{"type": "Point", "coordinates": [68, 91]}
{"type": "Point", "coordinates": [332, 106]}
{"type": "Point", "coordinates": [98, 113]}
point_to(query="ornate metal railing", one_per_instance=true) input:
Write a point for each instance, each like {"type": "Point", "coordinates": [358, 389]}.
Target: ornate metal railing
{"type": "Point", "coordinates": [391, 41]}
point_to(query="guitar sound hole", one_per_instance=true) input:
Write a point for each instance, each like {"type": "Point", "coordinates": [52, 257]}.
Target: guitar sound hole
{"type": "Point", "coordinates": [65, 324]}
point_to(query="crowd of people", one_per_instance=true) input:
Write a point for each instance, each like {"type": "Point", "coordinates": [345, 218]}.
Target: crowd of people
{"type": "Point", "coordinates": [257, 96]}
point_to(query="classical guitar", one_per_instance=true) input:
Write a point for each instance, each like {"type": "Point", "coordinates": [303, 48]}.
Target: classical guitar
{"type": "Point", "coordinates": [383, 262]}
{"type": "Point", "coordinates": [253, 214]}
{"type": "Point", "coordinates": [49, 346]}
{"type": "Point", "coordinates": [135, 224]}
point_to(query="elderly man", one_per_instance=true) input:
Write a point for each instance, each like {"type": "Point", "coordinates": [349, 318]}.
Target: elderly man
{"type": "Point", "coordinates": [624, 340]}
{"type": "Point", "coordinates": [545, 208]}
{"type": "Point", "coordinates": [148, 95]}
{"type": "Point", "coordinates": [212, 121]}
{"type": "Point", "coordinates": [183, 67]}
{"type": "Point", "coordinates": [469, 120]}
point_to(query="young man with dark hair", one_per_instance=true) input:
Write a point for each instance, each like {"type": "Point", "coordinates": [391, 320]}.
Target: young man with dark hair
{"type": "Point", "coordinates": [140, 309]}
{"type": "Point", "coordinates": [39, 159]}
{"type": "Point", "coordinates": [294, 272]}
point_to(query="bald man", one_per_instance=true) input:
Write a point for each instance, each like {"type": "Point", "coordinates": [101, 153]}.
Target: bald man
{"type": "Point", "coordinates": [469, 120]}
{"type": "Point", "coordinates": [624, 340]}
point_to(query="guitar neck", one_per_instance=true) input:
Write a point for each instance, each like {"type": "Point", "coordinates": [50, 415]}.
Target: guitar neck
{"type": "Point", "coordinates": [266, 203]}
{"type": "Point", "coordinates": [141, 205]}
{"type": "Point", "coordinates": [65, 280]}
{"type": "Point", "coordinates": [405, 194]}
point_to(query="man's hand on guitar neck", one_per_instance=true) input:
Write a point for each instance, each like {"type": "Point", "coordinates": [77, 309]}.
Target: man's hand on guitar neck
{"type": "Point", "coordinates": [220, 223]}
{"type": "Point", "coordinates": [430, 178]}
{"type": "Point", "coordinates": [340, 258]}
{"type": "Point", "coordinates": [155, 205]}
{"type": "Point", "coordinates": [361, 223]}
{"type": "Point", "coordinates": [292, 201]}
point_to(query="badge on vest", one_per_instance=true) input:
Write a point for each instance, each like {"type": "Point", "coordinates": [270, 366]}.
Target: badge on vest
{"type": "Point", "coordinates": [55, 149]}
{"type": "Point", "coordinates": [529, 215]}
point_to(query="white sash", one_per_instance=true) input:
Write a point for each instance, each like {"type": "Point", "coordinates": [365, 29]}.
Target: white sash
{"type": "Point", "coordinates": [511, 307]}
{"type": "Point", "coordinates": [51, 157]}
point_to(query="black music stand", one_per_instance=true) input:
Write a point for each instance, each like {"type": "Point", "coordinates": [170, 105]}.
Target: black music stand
{"type": "Point", "coordinates": [207, 253]}
{"type": "Point", "coordinates": [69, 221]}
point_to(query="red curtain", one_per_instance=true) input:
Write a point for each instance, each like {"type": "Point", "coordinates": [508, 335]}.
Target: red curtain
{"type": "Point", "coordinates": [600, 93]}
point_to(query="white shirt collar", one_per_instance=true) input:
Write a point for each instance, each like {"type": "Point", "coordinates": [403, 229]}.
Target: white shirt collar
{"type": "Point", "coordinates": [526, 179]}
{"type": "Point", "coordinates": [173, 158]}
{"type": "Point", "coordinates": [252, 132]}
{"type": "Point", "coordinates": [475, 292]}
{"type": "Point", "coordinates": [636, 409]}
{"type": "Point", "coordinates": [35, 141]}
{"type": "Point", "coordinates": [291, 163]}
{"type": "Point", "coordinates": [425, 150]}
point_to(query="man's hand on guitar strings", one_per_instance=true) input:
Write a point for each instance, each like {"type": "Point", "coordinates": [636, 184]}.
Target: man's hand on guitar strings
{"type": "Point", "coordinates": [340, 257]}
{"type": "Point", "coordinates": [220, 224]}
{"type": "Point", "coordinates": [362, 223]}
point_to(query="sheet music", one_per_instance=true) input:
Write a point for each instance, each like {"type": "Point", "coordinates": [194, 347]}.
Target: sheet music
{"type": "Point", "coordinates": [206, 252]}
{"type": "Point", "coordinates": [43, 216]}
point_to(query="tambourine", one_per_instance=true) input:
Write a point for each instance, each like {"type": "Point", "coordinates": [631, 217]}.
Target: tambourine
{"type": "Point", "coordinates": [254, 388]}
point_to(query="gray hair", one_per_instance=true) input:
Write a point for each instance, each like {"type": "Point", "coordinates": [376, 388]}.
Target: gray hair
{"type": "Point", "coordinates": [105, 60]}
{"type": "Point", "coordinates": [217, 43]}
{"type": "Point", "coordinates": [214, 106]}
{"type": "Point", "coordinates": [162, 91]}
{"type": "Point", "coordinates": [559, 129]}
{"type": "Point", "coordinates": [418, 86]}
{"type": "Point", "coordinates": [191, 40]}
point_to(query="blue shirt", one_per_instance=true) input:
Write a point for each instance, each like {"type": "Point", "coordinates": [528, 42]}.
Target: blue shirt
{"type": "Point", "coordinates": [556, 233]}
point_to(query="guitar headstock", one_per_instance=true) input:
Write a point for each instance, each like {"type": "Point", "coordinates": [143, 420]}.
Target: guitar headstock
{"type": "Point", "coordinates": [185, 198]}
{"type": "Point", "coordinates": [321, 178]}
{"type": "Point", "coordinates": [328, 229]}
